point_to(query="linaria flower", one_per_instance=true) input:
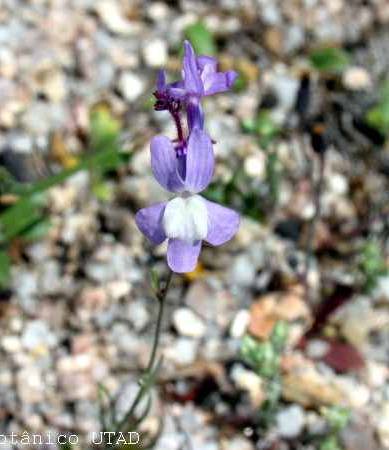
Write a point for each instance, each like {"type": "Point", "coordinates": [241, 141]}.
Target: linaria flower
{"type": "Point", "coordinates": [200, 78]}
{"type": "Point", "coordinates": [188, 218]}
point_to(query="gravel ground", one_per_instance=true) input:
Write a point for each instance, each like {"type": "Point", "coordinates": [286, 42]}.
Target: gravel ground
{"type": "Point", "coordinates": [80, 310]}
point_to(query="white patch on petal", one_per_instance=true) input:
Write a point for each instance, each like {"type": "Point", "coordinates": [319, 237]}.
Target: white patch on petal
{"type": "Point", "coordinates": [186, 219]}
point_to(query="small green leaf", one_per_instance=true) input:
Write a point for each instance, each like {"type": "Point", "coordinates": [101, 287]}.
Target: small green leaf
{"type": "Point", "coordinates": [378, 115]}
{"type": "Point", "coordinates": [201, 39]}
{"type": "Point", "coordinates": [279, 335]}
{"type": "Point", "coordinates": [330, 443]}
{"type": "Point", "coordinates": [38, 230]}
{"type": "Point", "coordinates": [103, 190]}
{"type": "Point", "coordinates": [5, 268]}
{"type": "Point", "coordinates": [154, 278]}
{"type": "Point", "coordinates": [337, 417]}
{"type": "Point", "coordinates": [240, 83]}
{"type": "Point", "coordinates": [330, 59]}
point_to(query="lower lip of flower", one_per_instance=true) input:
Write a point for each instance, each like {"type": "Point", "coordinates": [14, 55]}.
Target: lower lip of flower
{"type": "Point", "coordinates": [186, 218]}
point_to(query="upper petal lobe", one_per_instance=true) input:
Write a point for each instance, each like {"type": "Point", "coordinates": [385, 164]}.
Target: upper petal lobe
{"type": "Point", "coordinates": [164, 164]}
{"type": "Point", "coordinates": [223, 223]}
{"type": "Point", "coordinates": [217, 82]}
{"type": "Point", "coordinates": [192, 80]}
{"type": "Point", "coordinates": [200, 161]}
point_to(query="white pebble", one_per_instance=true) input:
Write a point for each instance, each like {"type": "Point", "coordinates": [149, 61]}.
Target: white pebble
{"type": "Point", "coordinates": [357, 78]}
{"type": "Point", "coordinates": [290, 421]}
{"type": "Point", "coordinates": [155, 53]}
{"type": "Point", "coordinates": [255, 165]}
{"type": "Point", "coordinates": [131, 86]}
{"type": "Point", "coordinates": [187, 323]}
{"type": "Point", "coordinates": [239, 324]}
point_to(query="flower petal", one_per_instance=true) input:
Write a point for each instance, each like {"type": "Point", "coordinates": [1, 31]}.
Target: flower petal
{"type": "Point", "coordinates": [192, 80]}
{"type": "Point", "coordinates": [195, 113]}
{"type": "Point", "coordinates": [200, 161]}
{"type": "Point", "coordinates": [161, 80]}
{"type": "Point", "coordinates": [204, 60]}
{"type": "Point", "coordinates": [223, 223]}
{"type": "Point", "coordinates": [149, 221]}
{"type": "Point", "coordinates": [164, 164]}
{"type": "Point", "coordinates": [218, 82]}
{"type": "Point", "coordinates": [182, 256]}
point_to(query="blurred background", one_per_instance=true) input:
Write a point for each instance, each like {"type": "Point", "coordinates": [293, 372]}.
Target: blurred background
{"type": "Point", "coordinates": [278, 340]}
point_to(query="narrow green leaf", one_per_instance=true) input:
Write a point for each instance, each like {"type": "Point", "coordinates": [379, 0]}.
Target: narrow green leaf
{"type": "Point", "coordinates": [201, 39]}
{"type": "Point", "coordinates": [330, 59]}
{"type": "Point", "coordinates": [37, 230]}
{"type": "Point", "coordinates": [5, 268]}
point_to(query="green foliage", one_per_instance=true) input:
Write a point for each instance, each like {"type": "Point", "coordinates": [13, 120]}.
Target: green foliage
{"type": "Point", "coordinates": [240, 83]}
{"type": "Point", "coordinates": [263, 126]}
{"type": "Point", "coordinates": [261, 356]}
{"type": "Point", "coordinates": [372, 263]}
{"type": "Point", "coordinates": [5, 268]}
{"type": "Point", "coordinates": [201, 38]}
{"type": "Point", "coordinates": [104, 129]}
{"type": "Point", "coordinates": [26, 218]}
{"type": "Point", "coordinates": [378, 116]}
{"type": "Point", "coordinates": [330, 443]}
{"type": "Point", "coordinates": [329, 59]}
{"type": "Point", "coordinates": [264, 357]}
{"type": "Point", "coordinates": [337, 418]}
{"type": "Point", "coordinates": [238, 192]}
{"type": "Point", "coordinates": [154, 280]}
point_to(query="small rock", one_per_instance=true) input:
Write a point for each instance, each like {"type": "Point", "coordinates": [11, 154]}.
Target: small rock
{"type": "Point", "coordinates": [236, 443]}
{"type": "Point", "coordinates": [317, 348]}
{"type": "Point", "coordinates": [243, 271]}
{"type": "Point", "coordinates": [138, 315]}
{"type": "Point", "coordinates": [303, 383]}
{"type": "Point", "coordinates": [131, 85]}
{"type": "Point", "coordinates": [114, 19]}
{"type": "Point", "coordinates": [11, 344]}
{"type": "Point", "coordinates": [93, 299]}
{"type": "Point", "coordinates": [118, 289]}
{"type": "Point", "coordinates": [38, 336]}
{"type": "Point", "coordinates": [268, 309]}
{"type": "Point", "coordinates": [8, 64]}
{"type": "Point", "coordinates": [382, 425]}
{"type": "Point", "coordinates": [377, 374]}
{"type": "Point", "coordinates": [183, 352]}
{"type": "Point", "coordinates": [381, 291]}
{"type": "Point", "coordinates": [255, 165]}
{"type": "Point", "coordinates": [155, 53]}
{"type": "Point", "coordinates": [52, 84]}
{"type": "Point", "coordinates": [30, 385]}
{"type": "Point", "coordinates": [356, 79]}
{"type": "Point", "coordinates": [250, 382]}
{"type": "Point", "coordinates": [358, 435]}
{"type": "Point", "coordinates": [290, 421]}
{"type": "Point", "coordinates": [187, 323]}
{"type": "Point", "coordinates": [239, 324]}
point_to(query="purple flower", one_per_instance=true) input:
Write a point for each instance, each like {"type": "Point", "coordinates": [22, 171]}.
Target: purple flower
{"type": "Point", "coordinates": [200, 79]}
{"type": "Point", "coordinates": [200, 75]}
{"type": "Point", "coordinates": [188, 218]}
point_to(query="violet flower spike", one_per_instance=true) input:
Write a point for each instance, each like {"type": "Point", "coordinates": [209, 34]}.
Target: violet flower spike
{"type": "Point", "coordinates": [188, 218]}
{"type": "Point", "coordinates": [200, 78]}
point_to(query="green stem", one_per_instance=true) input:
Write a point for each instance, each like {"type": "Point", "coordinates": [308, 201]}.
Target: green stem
{"type": "Point", "coordinates": [161, 297]}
